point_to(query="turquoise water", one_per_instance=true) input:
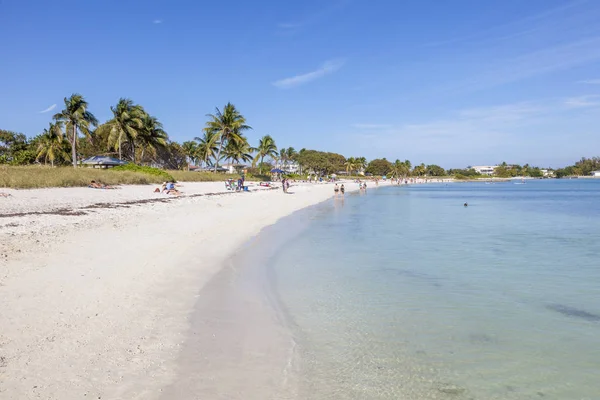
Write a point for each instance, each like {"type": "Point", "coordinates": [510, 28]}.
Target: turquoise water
{"type": "Point", "coordinates": [403, 293]}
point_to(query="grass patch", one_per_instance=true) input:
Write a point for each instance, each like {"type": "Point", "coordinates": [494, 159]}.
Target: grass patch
{"type": "Point", "coordinates": [160, 173]}
{"type": "Point", "coordinates": [29, 177]}
{"type": "Point", "coordinates": [189, 176]}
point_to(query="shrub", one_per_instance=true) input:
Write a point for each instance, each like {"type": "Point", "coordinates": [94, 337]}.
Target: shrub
{"type": "Point", "coordinates": [164, 175]}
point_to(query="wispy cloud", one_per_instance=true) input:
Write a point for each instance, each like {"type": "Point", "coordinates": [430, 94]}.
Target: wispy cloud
{"type": "Point", "coordinates": [328, 67]}
{"type": "Point", "coordinates": [157, 21]}
{"type": "Point", "coordinates": [295, 24]}
{"type": "Point", "coordinates": [516, 28]}
{"type": "Point", "coordinates": [529, 65]}
{"type": "Point", "coordinates": [52, 107]}
{"type": "Point", "coordinates": [591, 82]}
{"type": "Point", "coordinates": [592, 100]}
{"type": "Point", "coordinates": [517, 131]}
{"type": "Point", "coordinates": [371, 126]}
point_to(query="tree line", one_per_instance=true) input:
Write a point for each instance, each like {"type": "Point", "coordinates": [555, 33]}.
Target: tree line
{"type": "Point", "coordinates": [132, 134]}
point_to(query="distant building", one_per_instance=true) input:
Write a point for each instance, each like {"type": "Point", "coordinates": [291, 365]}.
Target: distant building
{"type": "Point", "coordinates": [102, 162]}
{"type": "Point", "coordinates": [290, 167]}
{"type": "Point", "coordinates": [548, 173]}
{"type": "Point", "coordinates": [485, 169]}
{"type": "Point", "coordinates": [595, 174]}
{"type": "Point", "coordinates": [233, 168]}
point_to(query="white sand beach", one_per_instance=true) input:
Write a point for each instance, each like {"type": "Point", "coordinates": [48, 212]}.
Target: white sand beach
{"type": "Point", "coordinates": [97, 286]}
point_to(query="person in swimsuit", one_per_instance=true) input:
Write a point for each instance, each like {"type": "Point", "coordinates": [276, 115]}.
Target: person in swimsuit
{"type": "Point", "coordinates": [342, 189]}
{"type": "Point", "coordinates": [336, 188]}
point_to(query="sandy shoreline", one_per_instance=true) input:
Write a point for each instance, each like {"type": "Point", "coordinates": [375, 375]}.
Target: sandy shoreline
{"type": "Point", "coordinates": [96, 299]}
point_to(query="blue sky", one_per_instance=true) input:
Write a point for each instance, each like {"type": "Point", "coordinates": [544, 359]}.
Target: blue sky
{"type": "Point", "coordinates": [456, 82]}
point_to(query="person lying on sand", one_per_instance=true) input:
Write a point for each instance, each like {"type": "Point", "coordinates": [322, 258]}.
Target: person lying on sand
{"type": "Point", "coordinates": [168, 188]}
{"type": "Point", "coordinates": [96, 185]}
{"type": "Point", "coordinates": [5, 194]}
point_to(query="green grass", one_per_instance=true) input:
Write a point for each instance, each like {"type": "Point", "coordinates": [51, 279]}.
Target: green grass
{"type": "Point", "coordinates": [29, 177]}
{"type": "Point", "coordinates": [36, 176]}
{"type": "Point", "coordinates": [160, 173]}
{"type": "Point", "coordinates": [189, 176]}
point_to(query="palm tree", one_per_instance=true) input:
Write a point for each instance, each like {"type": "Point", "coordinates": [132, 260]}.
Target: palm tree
{"type": "Point", "coordinates": [361, 163]}
{"type": "Point", "coordinates": [50, 145]}
{"type": "Point", "coordinates": [76, 118]}
{"type": "Point", "coordinates": [151, 136]}
{"type": "Point", "coordinates": [228, 124]}
{"type": "Point", "coordinates": [266, 148]}
{"type": "Point", "coordinates": [350, 165]}
{"type": "Point", "coordinates": [238, 150]}
{"type": "Point", "coordinates": [125, 126]}
{"type": "Point", "coordinates": [207, 146]}
{"type": "Point", "coordinates": [190, 148]}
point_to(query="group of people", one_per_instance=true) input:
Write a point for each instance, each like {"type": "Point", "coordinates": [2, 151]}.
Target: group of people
{"type": "Point", "coordinates": [168, 188]}
{"type": "Point", "coordinates": [339, 189]}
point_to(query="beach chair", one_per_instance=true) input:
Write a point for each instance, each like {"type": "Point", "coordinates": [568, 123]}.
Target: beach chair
{"type": "Point", "coordinates": [228, 185]}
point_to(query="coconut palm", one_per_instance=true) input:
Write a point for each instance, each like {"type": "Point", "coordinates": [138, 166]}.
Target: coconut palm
{"type": "Point", "coordinates": [151, 136]}
{"type": "Point", "coordinates": [208, 146]}
{"type": "Point", "coordinates": [190, 148]}
{"type": "Point", "coordinates": [350, 165]}
{"type": "Point", "coordinates": [361, 164]}
{"type": "Point", "coordinates": [266, 148]}
{"type": "Point", "coordinates": [238, 150]}
{"type": "Point", "coordinates": [77, 119]}
{"type": "Point", "coordinates": [228, 124]}
{"type": "Point", "coordinates": [50, 145]}
{"type": "Point", "coordinates": [125, 126]}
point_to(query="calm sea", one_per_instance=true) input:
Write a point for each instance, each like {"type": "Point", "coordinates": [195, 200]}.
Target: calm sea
{"type": "Point", "coordinates": [404, 293]}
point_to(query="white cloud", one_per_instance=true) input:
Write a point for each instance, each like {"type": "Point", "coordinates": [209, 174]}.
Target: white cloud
{"type": "Point", "coordinates": [52, 107]}
{"type": "Point", "coordinates": [328, 68]}
{"type": "Point", "coordinates": [591, 82]}
{"type": "Point", "coordinates": [583, 101]}
{"type": "Point", "coordinates": [157, 21]}
{"type": "Point", "coordinates": [371, 126]}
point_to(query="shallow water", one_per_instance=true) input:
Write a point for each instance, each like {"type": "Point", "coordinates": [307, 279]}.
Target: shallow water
{"type": "Point", "coordinates": [403, 293]}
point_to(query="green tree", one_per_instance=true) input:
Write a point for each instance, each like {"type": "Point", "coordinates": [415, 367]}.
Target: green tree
{"type": "Point", "coordinates": [125, 126]}
{"type": "Point", "coordinates": [208, 146]}
{"type": "Point", "coordinates": [350, 165]}
{"type": "Point", "coordinates": [266, 148]}
{"type": "Point", "coordinates": [379, 166]}
{"type": "Point", "coordinates": [190, 148]}
{"type": "Point", "coordinates": [76, 119]}
{"type": "Point", "coordinates": [238, 150]}
{"type": "Point", "coordinates": [50, 145]}
{"type": "Point", "coordinates": [435, 170]}
{"type": "Point", "coordinates": [14, 148]}
{"type": "Point", "coordinates": [227, 124]}
{"type": "Point", "coordinates": [151, 136]}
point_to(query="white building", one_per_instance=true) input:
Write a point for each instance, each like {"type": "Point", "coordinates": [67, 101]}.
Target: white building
{"type": "Point", "coordinates": [290, 167]}
{"type": "Point", "coordinates": [234, 168]}
{"type": "Point", "coordinates": [485, 169]}
{"type": "Point", "coordinates": [596, 174]}
{"type": "Point", "coordinates": [548, 173]}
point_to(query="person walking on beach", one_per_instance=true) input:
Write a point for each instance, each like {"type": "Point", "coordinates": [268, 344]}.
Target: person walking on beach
{"type": "Point", "coordinates": [283, 185]}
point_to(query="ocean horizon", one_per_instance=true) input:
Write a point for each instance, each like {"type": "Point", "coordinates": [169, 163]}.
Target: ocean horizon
{"type": "Point", "coordinates": [403, 292]}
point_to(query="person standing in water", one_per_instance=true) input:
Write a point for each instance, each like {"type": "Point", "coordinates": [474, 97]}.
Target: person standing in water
{"type": "Point", "coordinates": [342, 189]}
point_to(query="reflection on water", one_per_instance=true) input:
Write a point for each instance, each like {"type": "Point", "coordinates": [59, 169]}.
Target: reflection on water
{"type": "Point", "coordinates": [405, 293]}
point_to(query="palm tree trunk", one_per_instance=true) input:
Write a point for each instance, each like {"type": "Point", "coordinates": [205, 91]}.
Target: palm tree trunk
{"type": "Point", "coordinates": [261, 164]}
{"type": "Point", "coordinates": [74, 146]}
{"type": "Point", "coordinates": [120, 155]}
{"type": "Point", "coordinates": [219, 152]}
